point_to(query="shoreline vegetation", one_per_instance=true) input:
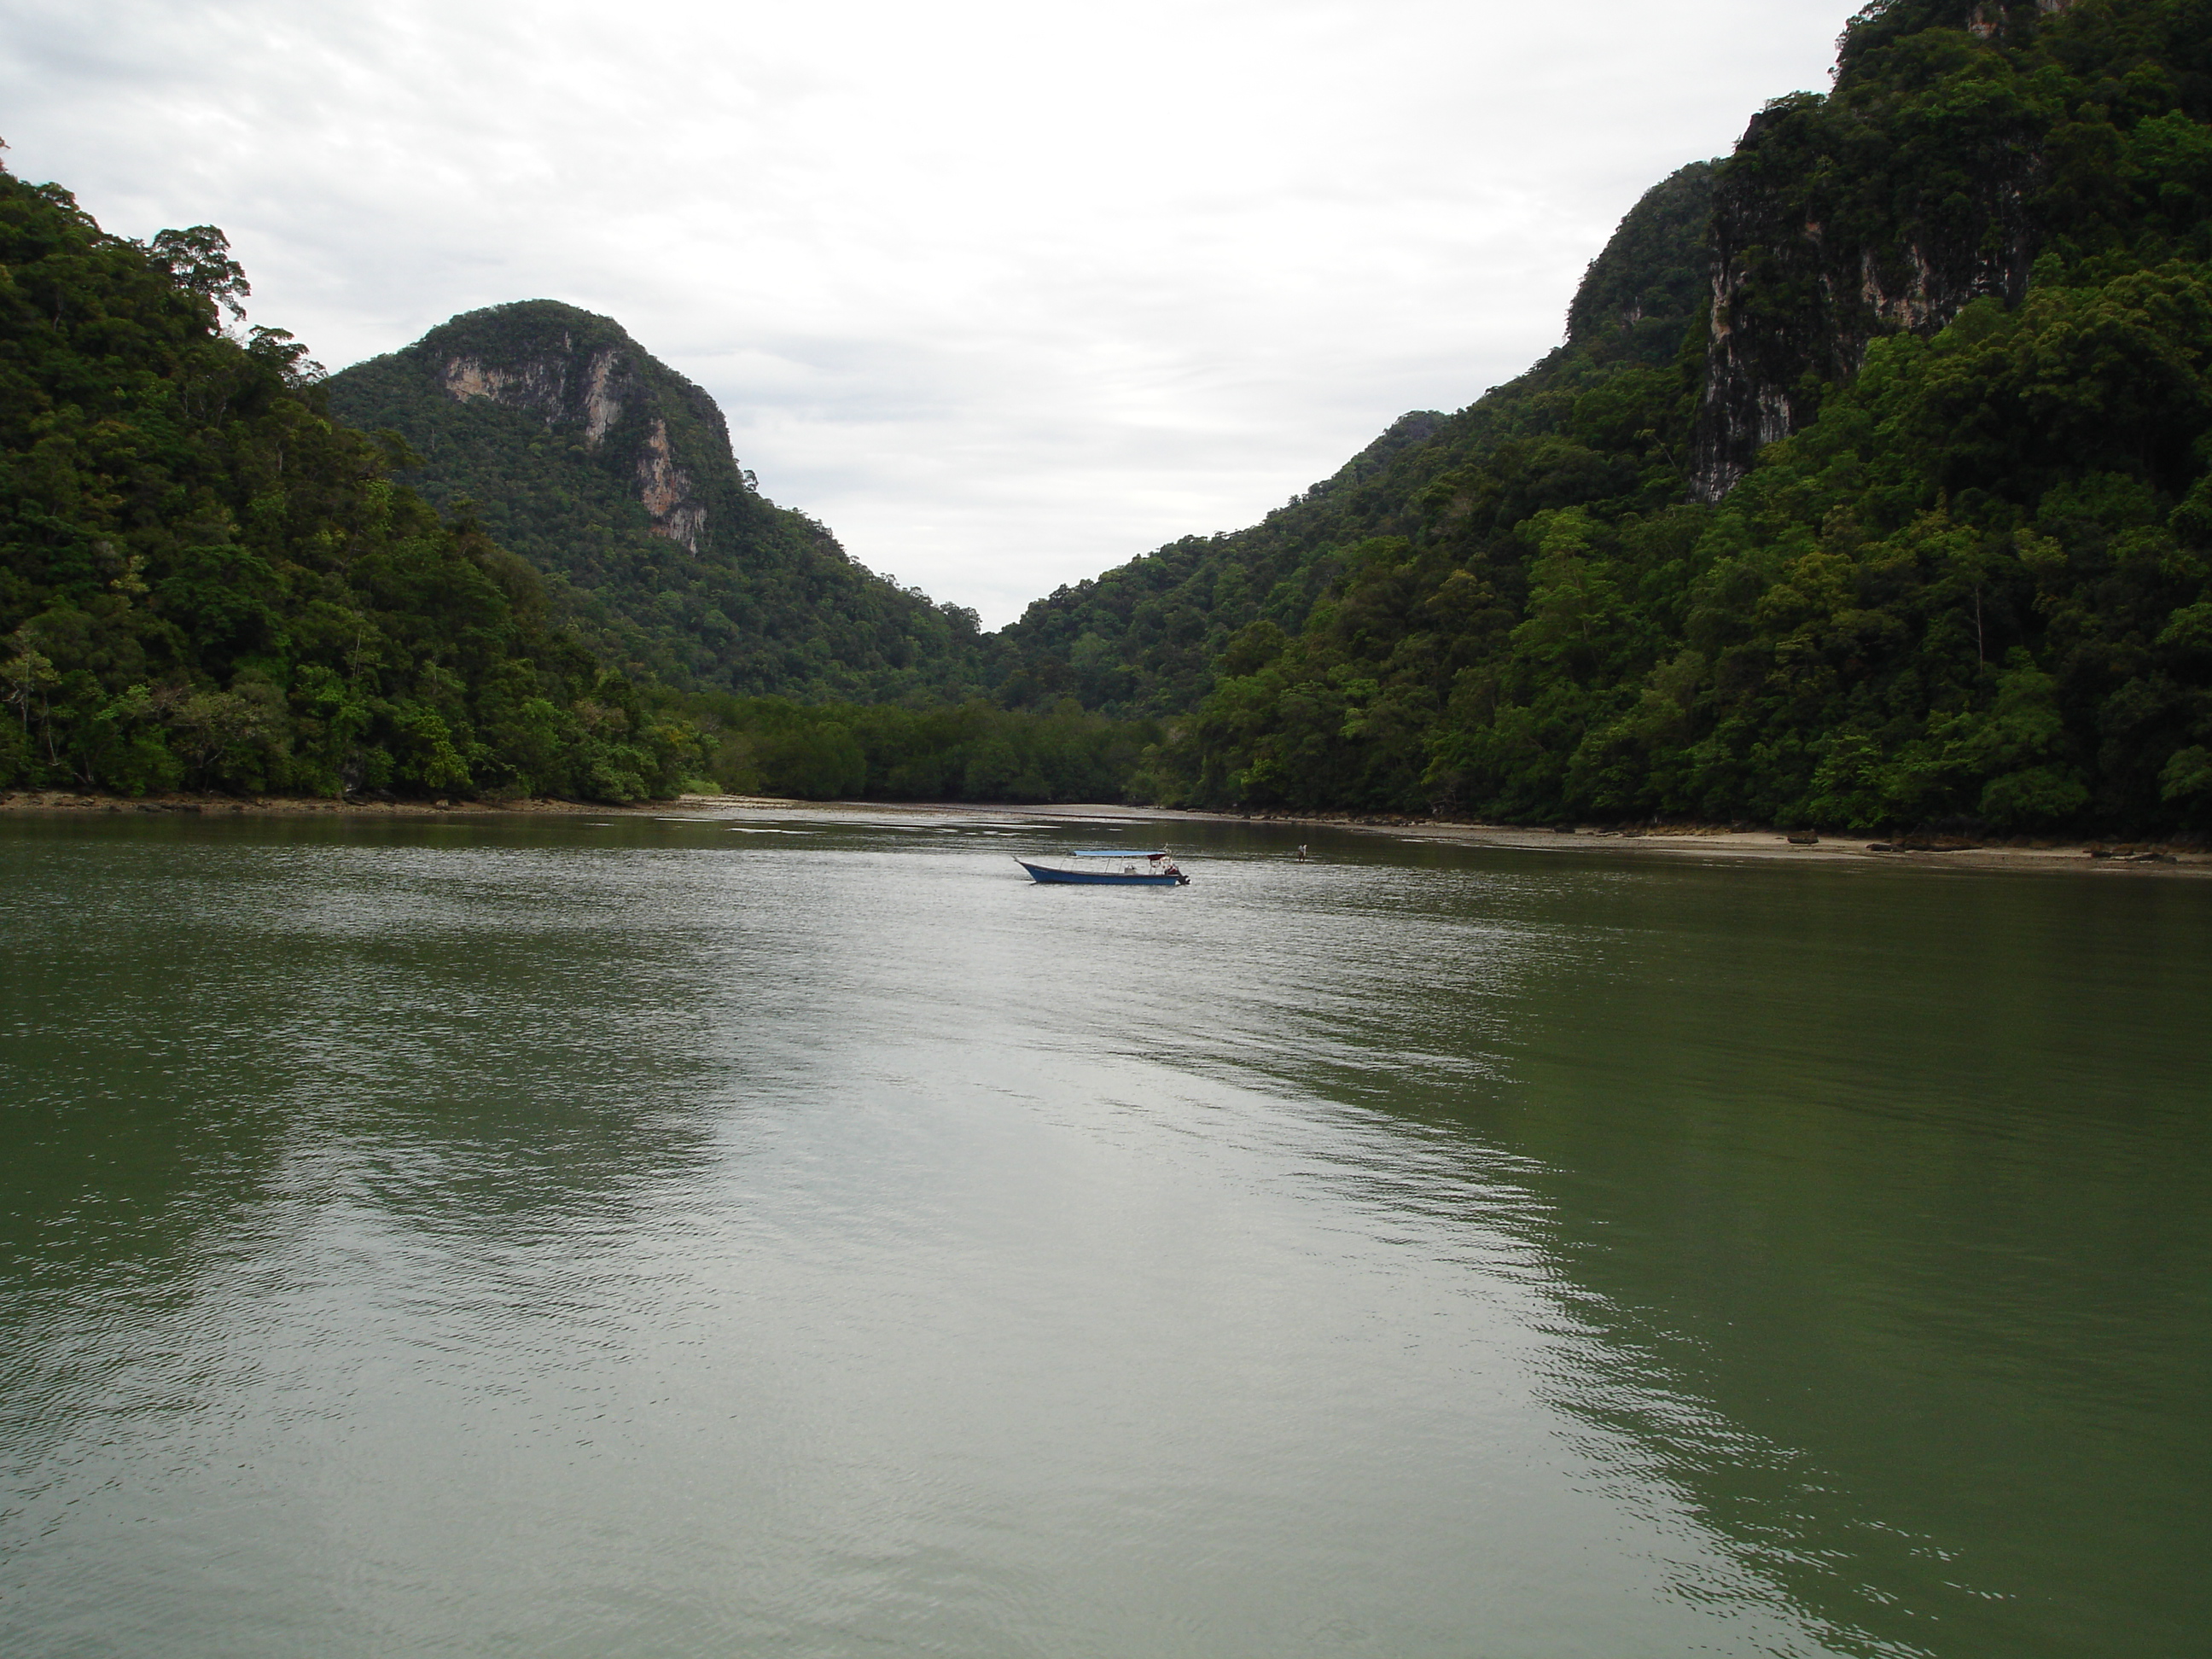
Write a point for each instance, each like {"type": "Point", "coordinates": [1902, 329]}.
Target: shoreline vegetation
{"type": "Point", "coordinates": [1870, 491]}
{"type": "Point", "coordinates": [2185, 855]}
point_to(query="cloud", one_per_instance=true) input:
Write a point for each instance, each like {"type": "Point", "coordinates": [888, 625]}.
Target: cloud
{"type": "Point", "coordinates": [1004, 294]}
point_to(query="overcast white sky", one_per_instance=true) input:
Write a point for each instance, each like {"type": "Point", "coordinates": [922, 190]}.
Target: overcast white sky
{"type": "Point", "coordinates": [1004, 294]}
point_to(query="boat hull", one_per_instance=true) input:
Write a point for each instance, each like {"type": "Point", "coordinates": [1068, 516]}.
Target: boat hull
{"type": "Point", "coordinates": [1101, 878]}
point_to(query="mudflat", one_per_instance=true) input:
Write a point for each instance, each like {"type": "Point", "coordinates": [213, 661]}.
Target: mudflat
{"type": "Point", "coordinates": [2105, 857]}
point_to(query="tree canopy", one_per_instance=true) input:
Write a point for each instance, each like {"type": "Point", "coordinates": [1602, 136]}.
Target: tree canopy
{"type": "Point", "coordinates": [613, 475]}
{"type": "Point", "coordinates": [1968, 581]}
{"type": "Point", "coordinates": [207, 582]}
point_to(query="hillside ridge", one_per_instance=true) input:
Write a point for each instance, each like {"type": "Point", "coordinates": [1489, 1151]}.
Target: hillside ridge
{"type": "Point", "coordinates": [614, 474]}
{"type": "Point", "coordinates": [1871, 489]}
{"type": "Point", "coordinates": [205, 582]}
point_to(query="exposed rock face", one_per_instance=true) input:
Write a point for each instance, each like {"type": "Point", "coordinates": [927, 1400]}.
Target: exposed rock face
{"type": "Point", "coordinates": [664, 489]}
{"type": "Point", "coordinates": [1796, 299]}
{"type": "Point", "coordinates": [1824, 239]}
{"type": "Point", "coordinates": [590, 392]}
{"type": "Point", "coordinates": [562, 388]}
{"type": "Point", "coordinates": [580, 451]}
{"type": "Point", "coordinates": [602, 402]}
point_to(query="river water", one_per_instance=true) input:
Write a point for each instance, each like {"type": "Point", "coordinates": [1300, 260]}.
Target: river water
{"type": "Point", "coordinates": [802, 1236]}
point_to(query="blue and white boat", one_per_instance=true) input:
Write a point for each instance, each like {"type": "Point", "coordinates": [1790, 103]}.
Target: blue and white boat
{"type": "Point", "coordinates": [1132, 870]}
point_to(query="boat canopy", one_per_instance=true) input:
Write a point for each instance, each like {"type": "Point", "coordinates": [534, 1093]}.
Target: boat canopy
{"type": "Point", "coordinates": [1119, 853]}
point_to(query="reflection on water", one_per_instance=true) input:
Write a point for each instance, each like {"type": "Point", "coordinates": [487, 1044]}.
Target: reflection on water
{"type": "Point", "coordinates": [805, 1237]}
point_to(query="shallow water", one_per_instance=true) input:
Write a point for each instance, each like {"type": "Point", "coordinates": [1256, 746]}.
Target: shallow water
{"type": "Point", "coordinates": [808, 1238]}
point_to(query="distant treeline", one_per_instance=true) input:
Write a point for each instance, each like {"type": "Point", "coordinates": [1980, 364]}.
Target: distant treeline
{"type": "Point", "coordinates": [971, 751]}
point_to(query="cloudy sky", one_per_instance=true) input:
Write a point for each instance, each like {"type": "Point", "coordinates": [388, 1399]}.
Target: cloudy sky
{"type": "Point", "coordinates": [1004, 294]}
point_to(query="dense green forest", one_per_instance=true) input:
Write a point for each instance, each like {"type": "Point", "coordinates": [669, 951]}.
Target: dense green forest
{"type": "Point", "coordinates": [206, 582]}
{"type": "Point", "coordinates": [613, 474]}
{"type": "Point", "coordinates": [1873, 487]}
{"type": "Point", "coordinates": [972, 751]}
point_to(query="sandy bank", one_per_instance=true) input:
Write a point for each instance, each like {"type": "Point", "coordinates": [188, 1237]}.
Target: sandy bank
{"type": "Point", "coordinates": [1952, 852]}
{"type": "Point", "coordinates": [1683, 841]}
{"type": "Point", "coordinates": [1672, 840]}
{"type": "Point", "coordinates": [1712, 841]}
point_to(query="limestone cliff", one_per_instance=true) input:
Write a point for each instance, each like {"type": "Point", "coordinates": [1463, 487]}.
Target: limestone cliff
{"type": "Point", "coordinates": [613, 473]}
{"type": "Point", "coordinates": [1973, 589]}
{"type": "Point", "coordinates": [606, 392]}
{"type": "Point", "coordinates": [1890, 205]}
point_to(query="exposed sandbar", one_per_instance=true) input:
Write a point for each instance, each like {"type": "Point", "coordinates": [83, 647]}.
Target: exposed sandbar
{"type": "Point", "coordinates": [1710, 843]}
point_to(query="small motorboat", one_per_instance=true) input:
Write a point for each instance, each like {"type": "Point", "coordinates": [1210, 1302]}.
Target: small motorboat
{"type": "Point", "coordinates": [1132, 870]}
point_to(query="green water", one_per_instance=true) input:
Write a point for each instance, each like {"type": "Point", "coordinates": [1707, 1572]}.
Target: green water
{"type": "Point", "coordinates": [796, 1237]}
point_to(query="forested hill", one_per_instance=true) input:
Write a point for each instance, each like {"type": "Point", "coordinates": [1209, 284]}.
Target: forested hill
{"type": "Point", "coordinates": [1872, 488]}
{"type": "Point", "coordinates": [206, 582]}
{"type": "Point", "coordinates": [1150, 637]}
{"type": "Point", "coordinates": [613, 475]}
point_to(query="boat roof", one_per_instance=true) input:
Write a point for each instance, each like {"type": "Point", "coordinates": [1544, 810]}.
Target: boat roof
{"type": "Point", "coordinates": [1118, 852]}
